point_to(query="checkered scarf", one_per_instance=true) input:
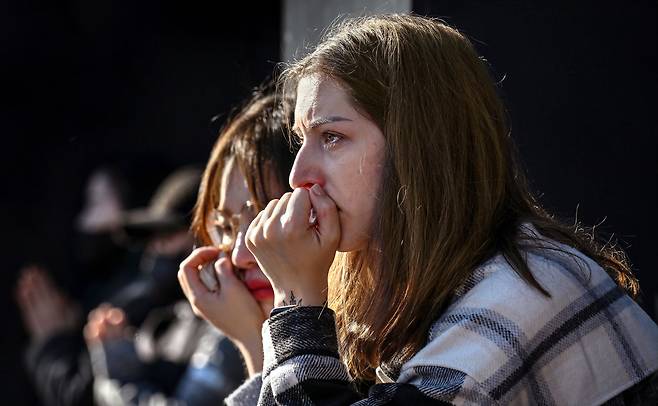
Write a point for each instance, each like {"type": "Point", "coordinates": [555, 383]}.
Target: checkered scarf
{"type": "Point", "coordinates": [501, 341]}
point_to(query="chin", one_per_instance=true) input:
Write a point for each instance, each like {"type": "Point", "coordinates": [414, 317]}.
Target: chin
{"type": "Point", "coordinates": [347, 244]}
{"type": "Point", "coordinates": [351, 239]}
{"type": "Point", "coordinates": [266, 306]}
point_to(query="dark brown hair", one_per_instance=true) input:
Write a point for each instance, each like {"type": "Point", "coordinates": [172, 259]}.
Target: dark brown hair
{"type": "Point", "coordinates": [256, 138]}
{"type": "Point", "coordinates": [452, 194]}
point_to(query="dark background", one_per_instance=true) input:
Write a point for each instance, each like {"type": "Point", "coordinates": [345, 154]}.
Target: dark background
{"type": "Point", "coordinates": [83, 82]}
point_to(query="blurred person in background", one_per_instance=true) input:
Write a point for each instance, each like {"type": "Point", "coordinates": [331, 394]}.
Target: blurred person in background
{"type": "Point", "coordinates": [109, 268]}
{"type": "Point", "coordinates": [47, 310]}
{"type": "Point", "coordinates": [56, 359]}
{"type": "Point", "coordinates": [162, 230]}
{"type": "Point", "coordinates": [136, 362]}
{"type": "Point", "coordinates": [248, 166]}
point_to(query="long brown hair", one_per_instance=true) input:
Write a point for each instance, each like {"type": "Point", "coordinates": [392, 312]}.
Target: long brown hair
{"type": "Point", "coordinates": [452, 194]}
{"type": "Point", "coordinates": [256, 138]}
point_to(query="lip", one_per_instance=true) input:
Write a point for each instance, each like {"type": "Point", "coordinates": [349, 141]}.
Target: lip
{"type": "Point", "coordinates": [260, 289]}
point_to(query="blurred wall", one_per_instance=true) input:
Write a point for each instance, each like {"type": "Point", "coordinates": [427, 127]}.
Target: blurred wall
{"type": "Point", "coordinates": [304, 21]}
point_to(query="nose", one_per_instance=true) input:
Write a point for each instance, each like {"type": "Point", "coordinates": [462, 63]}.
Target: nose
{"type": "Point", "coordinates": [241, 257]}
{"type": "Point", "coordinates": [306, 169]}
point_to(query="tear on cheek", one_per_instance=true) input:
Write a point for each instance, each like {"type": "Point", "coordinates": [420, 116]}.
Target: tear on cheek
{"type": "Point", "coordinates": [361, 162]}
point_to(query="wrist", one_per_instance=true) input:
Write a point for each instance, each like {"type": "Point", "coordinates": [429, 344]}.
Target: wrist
{"type": "Point", "coordinates": [299, 297]}
{"type": "Point", "coordinates": [314, 332]}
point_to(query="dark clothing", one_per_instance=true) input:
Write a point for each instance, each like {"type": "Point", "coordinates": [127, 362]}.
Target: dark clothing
{"type": "Point", "coordinates": [60, 366]}
{"type": "Point", "coordinates": [130, 372]}
{"type": "Point", "coordinates": [61, 370]}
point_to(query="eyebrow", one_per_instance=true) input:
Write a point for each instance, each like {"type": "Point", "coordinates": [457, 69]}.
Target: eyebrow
{"type": "Point", "coordinates": [322, 120]}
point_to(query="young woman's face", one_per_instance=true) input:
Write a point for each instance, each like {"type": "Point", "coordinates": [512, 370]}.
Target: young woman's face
{"type": "Point", "coordinates": [342, 151]}
{"type": "Point", "coordinates": [234, 214]}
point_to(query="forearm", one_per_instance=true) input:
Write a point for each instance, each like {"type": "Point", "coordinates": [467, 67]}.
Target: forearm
{"type": "Point", "coordinates": [302, 364]}
{"type": "Point", "coordinates": [301, 358]}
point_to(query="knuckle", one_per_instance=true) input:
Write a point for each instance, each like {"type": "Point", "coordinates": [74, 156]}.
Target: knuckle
{"type": "Point", "coordinates": [186, 261]}
{"type": "Point", "coordinates": [272, 204]}
{"type": "Point", "coordinates": [270, 229]}
{"type": "Point", "coordinates": [287, 226]}
{"type": "Point", "coordinates": [252, 235]}
{"type": "Point", "coordinates": [250, 244]}
{"type": "Point", "coordinates": [286, 222]}
{"type": "Point", "coordinates": [250, 230]}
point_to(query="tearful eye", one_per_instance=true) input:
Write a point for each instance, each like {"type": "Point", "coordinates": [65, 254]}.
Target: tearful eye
{"type": "Point", "coordinates": [331, 139]}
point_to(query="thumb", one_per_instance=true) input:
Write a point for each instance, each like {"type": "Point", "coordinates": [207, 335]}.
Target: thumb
{"type": "Point", "coordinates": [326, 211]}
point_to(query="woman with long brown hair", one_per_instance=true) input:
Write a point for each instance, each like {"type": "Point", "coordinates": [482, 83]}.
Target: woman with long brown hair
{"type": "Point", "coordinates": [411, 252]}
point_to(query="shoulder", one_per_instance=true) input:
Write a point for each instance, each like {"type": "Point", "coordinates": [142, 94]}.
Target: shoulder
{"type": "Point", "coordinates": [496, 293]}
{"type": "Point", "coordinates": [515, 341]}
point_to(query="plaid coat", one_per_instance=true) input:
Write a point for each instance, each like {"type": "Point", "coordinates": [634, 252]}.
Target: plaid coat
{"type": "Point", "coordinates": [500, 341]}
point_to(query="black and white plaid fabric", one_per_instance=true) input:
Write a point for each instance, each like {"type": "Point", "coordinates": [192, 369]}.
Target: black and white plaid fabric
{"type": "Point", "coordinates": [500, 342]}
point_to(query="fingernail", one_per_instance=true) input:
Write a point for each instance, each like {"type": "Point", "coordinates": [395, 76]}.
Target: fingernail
{"type": "Point", "coordinates": [317, 190]}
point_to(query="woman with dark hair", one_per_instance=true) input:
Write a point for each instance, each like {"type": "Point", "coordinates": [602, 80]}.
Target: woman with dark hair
{"type": "Point", "coordinates": [450, 283]}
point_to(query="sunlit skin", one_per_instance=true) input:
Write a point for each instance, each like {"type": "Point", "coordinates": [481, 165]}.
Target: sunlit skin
{"type": "Point", "coordinates": [244, 298]}
{"type": "Point", "coordinates": [337, 172]}
{"type": "Point", "coordinates": [342, 151]}
{"type": "Point", "coordinates": [233, 194]}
